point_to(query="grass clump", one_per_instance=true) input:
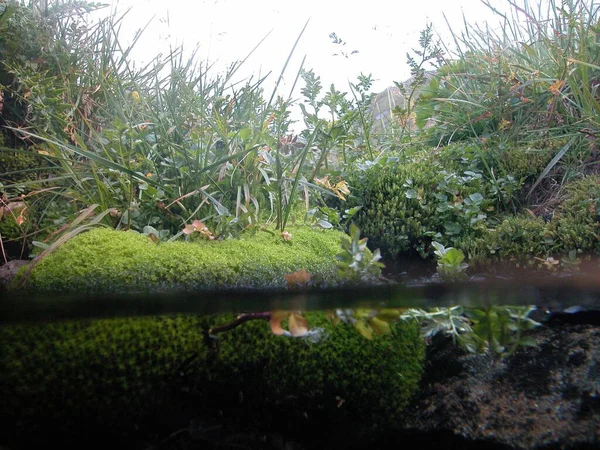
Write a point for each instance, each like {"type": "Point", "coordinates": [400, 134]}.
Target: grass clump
{"type": "Point", "coordinates": [103, 261]}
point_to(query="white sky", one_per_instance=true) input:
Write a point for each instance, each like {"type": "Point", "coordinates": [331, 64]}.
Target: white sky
{"type": "Point", "coordinates": [227, 30]}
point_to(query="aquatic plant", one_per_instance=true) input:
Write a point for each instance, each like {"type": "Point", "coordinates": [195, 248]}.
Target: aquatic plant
{"type": "Point", "coordinates": [450, 265]}
{"type": "Point", "coordinates": [356, 263]}
{"type": "Point", "coordinates": [498, 330]}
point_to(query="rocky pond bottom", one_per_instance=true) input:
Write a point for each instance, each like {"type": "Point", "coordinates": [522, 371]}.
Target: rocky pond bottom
{"type": "Point", "coordinates": [171, 373]}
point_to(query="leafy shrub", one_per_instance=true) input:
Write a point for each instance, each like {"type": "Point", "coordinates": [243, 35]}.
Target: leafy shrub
{"type": "Point", "coordinates": [575, 226]}
{"type": "Point", "coordinates": [517, 237]}
{"type": "Point", "coordinates": [408, 203]}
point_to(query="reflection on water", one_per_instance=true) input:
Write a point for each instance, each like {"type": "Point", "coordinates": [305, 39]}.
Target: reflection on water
{"type": "Point", "coordinates": [546, 291]}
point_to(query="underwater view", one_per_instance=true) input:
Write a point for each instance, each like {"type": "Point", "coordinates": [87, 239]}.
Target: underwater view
{"type": "Point", "coordinates": [194, 258]}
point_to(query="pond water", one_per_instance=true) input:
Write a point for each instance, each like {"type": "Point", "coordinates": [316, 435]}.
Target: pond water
{"type": "Point", "coordinates": [544, 395]}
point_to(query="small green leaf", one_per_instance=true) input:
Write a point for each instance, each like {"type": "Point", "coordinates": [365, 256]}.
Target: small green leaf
{"type": "Point", "coordinates": [379, 326]}
{"type": "Point", "coordinates": [528, 341]}
{"type": "Point", "coordinates": [324, 224]}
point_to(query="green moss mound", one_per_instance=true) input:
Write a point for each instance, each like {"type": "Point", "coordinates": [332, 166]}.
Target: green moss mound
{"type": "Point", "coordinates": [104, 261]}
{"type": "Point", "coordinates": [18, 165]}
{"type": "Point", "coordinates": [576, 223]}
{"type": "Point", "coordinates": [76, 374]}
{"type": "Point", "coordinates": [129, 376]}
{"type": "Point", "coordinates": [574, 226]}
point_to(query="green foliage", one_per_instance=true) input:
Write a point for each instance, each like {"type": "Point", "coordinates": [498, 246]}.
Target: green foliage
{"type": "Point", "coordinates": [355, 262]}
{"type": "Point", "coordinates": [514, 238]}
{"type": "Point", "coordinates": [101, 370]}
{"type": "Point", "coordinates": [103, 261]}
{"type": "Point", "coordinates": [521, 84]}
{"type": "Point", "coordinates": [121, 375]}
{"type": "Point", "coordinates": [368, 322]}
{"type": "Point", "coordinates": [408, 202]}
{"type": "Point", "coordinates": [430, 53]}
{"type": "Point", "coordinates": [450, 265]}
{"type": "Point", "coordinates": [497, 330]}
{"type": "Point", "coordinates": [17, 166]}
{"type": "Point", "coordinates": [576, 225]}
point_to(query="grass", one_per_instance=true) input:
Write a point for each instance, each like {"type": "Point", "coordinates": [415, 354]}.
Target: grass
{"type": "Point", "coordinates": [171, 142]}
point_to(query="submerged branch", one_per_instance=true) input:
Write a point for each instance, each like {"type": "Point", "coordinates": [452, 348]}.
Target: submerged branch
{"type": "Point", "coordinates": [240, 320]}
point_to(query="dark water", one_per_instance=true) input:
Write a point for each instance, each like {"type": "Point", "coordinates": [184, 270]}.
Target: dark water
{"type": "Point", "coordinates": [225, 417]}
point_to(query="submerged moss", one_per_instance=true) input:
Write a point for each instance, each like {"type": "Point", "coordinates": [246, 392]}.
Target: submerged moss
{"type": "Point", "coordinates": [104, 260]}
{"type": "Point", "coordinates": [121, 375]}
{"type": "Point", "coordinates": [371, 378]}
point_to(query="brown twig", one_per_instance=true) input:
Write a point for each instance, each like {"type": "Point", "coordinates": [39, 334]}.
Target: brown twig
{"type": "Point", "coordinates": [240, 320]}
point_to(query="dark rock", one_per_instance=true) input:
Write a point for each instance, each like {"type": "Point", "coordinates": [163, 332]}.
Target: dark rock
{"type": "Point", "coordinates": [9, 270]}
{"type": "Point", "coordinates": [544, 397]}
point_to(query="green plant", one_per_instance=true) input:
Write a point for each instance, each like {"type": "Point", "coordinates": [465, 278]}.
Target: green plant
{"type": "Point", "coordinates": [450, 265]}
{"type": "Point", "coordinates": [430, 53]}
{"type": "Point", "coordinates": [355, 262]}
{"type": "Point", "coordinates": [529, 82]}
{"type": "Point", "coordinates": [498, 330]}
{"type": "Point", "coordinates": [141, 366]}
{"type": "Point", "coordinates": [408, 201]}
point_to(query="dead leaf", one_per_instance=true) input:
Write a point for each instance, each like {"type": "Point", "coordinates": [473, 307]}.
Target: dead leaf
{"type": "Point", "coordinates": [298, 325]}
{"type": "Point", "coordinates": [275, 322]}
{"type": "Point", "coordinates": [298, 279]}
{"type": "Point", "coordinates": [556, 87]}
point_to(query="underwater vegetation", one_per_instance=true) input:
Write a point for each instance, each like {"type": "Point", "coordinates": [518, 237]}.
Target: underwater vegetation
{"type": "Point", "coordinates": [119, 375]}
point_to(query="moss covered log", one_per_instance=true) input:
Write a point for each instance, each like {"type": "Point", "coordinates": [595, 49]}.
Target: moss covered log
{"type": "Point", "coordinates": [149, 376]}
{"type": "Point", "coordinates": [105, 261]}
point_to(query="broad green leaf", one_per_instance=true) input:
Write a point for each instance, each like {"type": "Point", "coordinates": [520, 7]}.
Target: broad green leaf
{"type": "Point", "coordinates": [411, 193]}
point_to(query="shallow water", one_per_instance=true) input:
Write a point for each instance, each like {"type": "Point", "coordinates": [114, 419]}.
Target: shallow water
{"type": "Point", "coordinates": [556, 384]}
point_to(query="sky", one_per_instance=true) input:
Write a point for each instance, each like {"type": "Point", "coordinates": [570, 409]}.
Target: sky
{"type": "Point", "coordinates": [225, 31]}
